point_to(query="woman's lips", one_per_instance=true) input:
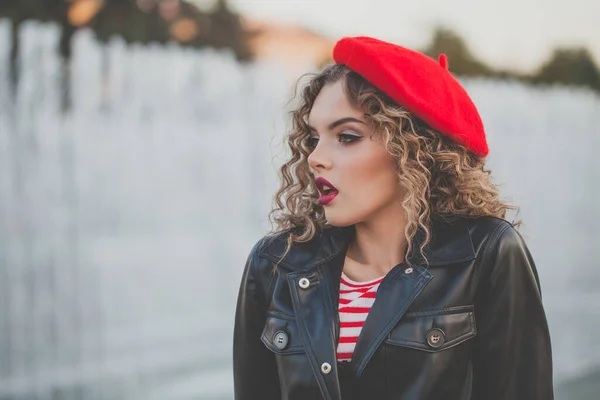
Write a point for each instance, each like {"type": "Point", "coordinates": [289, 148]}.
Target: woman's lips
{"type": "Point", "coordinates": [327, 198]}
{"type": "Point", "coordinates": [327, 191]}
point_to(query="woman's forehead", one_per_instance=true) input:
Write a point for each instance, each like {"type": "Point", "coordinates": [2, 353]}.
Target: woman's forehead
{"type": "Point", "coordinates": [330, 105]}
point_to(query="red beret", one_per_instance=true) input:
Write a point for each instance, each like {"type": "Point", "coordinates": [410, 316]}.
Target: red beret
{"type": "Point", "coordinates": [418, 83]}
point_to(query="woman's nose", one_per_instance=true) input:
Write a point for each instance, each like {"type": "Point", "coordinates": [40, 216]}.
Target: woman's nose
{"type": "Point", "coordinates": [318, 159]}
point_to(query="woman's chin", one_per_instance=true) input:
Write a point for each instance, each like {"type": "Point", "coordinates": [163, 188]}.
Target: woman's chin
{"type": "Point", "coordinates": [339, 221]}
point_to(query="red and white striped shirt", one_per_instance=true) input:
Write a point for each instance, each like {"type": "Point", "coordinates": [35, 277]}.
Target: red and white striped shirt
{"type": "Point", "coordinates": [356, 299]}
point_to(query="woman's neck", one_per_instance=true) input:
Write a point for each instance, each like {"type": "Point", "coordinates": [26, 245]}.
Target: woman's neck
{"type": "Point", "coordinates": [378, 246]}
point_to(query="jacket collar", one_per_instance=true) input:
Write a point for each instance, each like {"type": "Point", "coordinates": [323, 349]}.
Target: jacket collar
{"type": "Point", "coordinates": [450, 243]}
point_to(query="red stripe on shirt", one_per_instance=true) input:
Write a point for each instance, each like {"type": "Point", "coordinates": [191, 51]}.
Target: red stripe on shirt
{"type": "Point", "coordinates": [360, 285]}
{"type": "Point", "coordinates": [361, 290]}
{"type": "Point", "coordinates": [352, 324]}
{"type": "Point", "coordinates": [355, 310]}
{"type": "Point", "coordinates": [348, 339]}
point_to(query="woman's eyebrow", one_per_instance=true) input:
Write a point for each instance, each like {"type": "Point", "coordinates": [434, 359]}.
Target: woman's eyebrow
{"type": "Point", "coordinates": [339, 122]}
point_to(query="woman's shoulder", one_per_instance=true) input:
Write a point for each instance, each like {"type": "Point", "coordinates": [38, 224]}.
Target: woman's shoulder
{"type": "Point", "coordinates": [265, 243]}
{"type": "Point", "coordinates": [479, 231]}
{"type": "Point", "coordinates": [272, 241]}
{"type": "Point", "coordinates": [279, 248]}
{"type": "Point", "coordinates": [504, 257]}
{"type": "Point", "coordinates": [499, 245]}
{"type": "Point", "coordinates": [268, 248]}
{"type": "Point", "coordinates": [488, 231]}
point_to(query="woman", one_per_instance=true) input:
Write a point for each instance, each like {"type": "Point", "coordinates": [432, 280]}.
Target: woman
{"type": "Point", "coordinates": [393, 274]}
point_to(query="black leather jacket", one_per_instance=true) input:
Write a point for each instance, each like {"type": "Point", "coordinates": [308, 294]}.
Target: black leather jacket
{"type": "Point", "coordinates": [469, 325]}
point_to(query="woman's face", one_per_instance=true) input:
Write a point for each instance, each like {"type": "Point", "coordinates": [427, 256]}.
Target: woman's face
{"type": "Point", "coordinates": [350, 155]}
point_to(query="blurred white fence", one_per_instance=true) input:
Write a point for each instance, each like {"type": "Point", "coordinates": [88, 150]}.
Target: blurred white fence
{"type": "Point", "coordinates": [125, 222]}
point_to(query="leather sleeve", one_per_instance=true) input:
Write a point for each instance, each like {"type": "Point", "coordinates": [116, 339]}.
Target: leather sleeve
{"type": "Point", "coordinates": [512, 353]}
{"type": "Point", "coordinates": [254, 367]}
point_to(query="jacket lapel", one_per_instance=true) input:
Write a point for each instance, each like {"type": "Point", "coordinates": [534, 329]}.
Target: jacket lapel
{"type": "Point", "coordinates": [316, 317]}
{"type": "Point", "coordinates": [396, 293]}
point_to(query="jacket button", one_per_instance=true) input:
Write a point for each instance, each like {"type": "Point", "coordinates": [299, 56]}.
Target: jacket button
{"type": "Point", "coordinates": [408, 271]}
{"type": "Point", "coordinates": [304, 283]}
{"type": "Point", "coordinates": [280, 340]}
{"type": "Point", "coordinates": [435, 338]}
{"type": "Point", "coordinates": [325, 368]}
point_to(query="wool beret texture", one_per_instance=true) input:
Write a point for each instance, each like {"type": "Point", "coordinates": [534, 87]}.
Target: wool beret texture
{"type": "Point", "coordinates": [421, 85]}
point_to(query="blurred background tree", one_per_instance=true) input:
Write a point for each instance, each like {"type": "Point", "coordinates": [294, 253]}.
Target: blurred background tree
{"type": "Point", "coordinates": [462, 61]}
{"type": "Point", "coordinates": [570, 66]}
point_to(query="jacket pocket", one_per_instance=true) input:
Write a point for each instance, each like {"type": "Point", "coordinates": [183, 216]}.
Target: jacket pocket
{"type": "Point", "coordinates": [281, 334]}
{"type": "Point", "coordinates": [434, 330]}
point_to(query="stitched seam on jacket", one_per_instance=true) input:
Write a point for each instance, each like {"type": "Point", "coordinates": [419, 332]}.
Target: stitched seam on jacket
{"type": "Point", "coordinates": [282, 315]}
{"type": "Point", "coordinates": [486, 248]}
{"type": "Point", "coordinates": [440, 311]}
{"type": "Point", "coordinates": [261, 289]}
{"type": "Point", "coordinates": [473, 324]}
{"type": "Point", "coordinates": [268, 293]}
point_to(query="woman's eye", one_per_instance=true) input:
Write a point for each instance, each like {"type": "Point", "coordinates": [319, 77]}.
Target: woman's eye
{"type": "Point", "coordinates": [347, 138]}
{"type": "Point", "coordinates": [311, 142]}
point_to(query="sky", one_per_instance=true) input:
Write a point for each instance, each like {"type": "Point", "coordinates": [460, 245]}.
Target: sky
{"type": "Point", "coordinates": [518, 34]}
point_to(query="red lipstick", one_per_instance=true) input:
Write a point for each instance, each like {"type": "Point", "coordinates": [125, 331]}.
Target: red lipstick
{"type": "Point", "coordinates": [327, 191]}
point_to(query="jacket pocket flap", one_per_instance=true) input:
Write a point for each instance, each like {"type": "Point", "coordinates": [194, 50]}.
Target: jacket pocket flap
{"type": "Point", "coordinates": [281, 334]}
{"type": "Point", "coordinates": [434, 330]}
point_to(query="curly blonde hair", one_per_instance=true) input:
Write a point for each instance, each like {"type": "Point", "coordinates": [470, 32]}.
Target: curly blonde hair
{"type": "Point", "coordinates": [440, 177]}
